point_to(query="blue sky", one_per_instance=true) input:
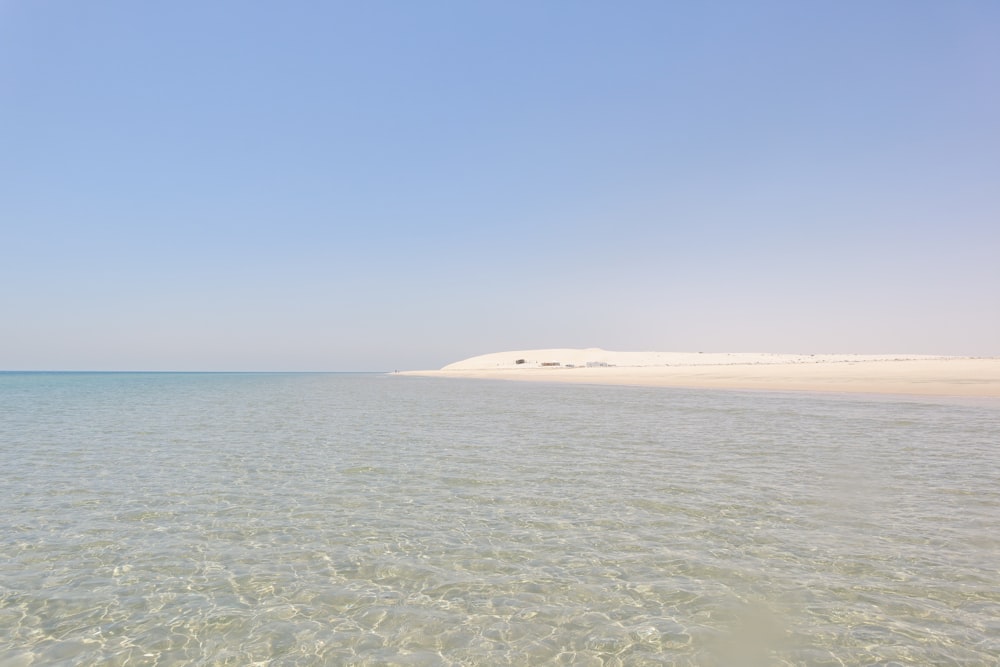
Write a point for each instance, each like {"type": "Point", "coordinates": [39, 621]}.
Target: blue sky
{"type": "Point", "coordinates": [379, 185]}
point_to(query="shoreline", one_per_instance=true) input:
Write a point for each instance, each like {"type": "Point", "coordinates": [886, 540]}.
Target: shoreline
{"type": "Point", "coordinates": [874, 374]}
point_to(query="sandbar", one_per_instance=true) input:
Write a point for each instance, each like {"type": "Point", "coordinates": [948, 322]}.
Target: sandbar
{"type": "Point", "coordinates": [843, 373]}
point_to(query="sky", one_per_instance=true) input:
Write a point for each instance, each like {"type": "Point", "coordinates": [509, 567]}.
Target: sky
{"type": "Point", "coordinates": [326, 186]}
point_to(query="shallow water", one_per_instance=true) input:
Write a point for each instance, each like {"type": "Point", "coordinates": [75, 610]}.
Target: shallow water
{"type": "Point", "coordinates": [238, 519]}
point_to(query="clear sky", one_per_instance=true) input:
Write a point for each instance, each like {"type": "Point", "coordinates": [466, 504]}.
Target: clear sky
{"type": "Point", "coordinates": [377, 185]}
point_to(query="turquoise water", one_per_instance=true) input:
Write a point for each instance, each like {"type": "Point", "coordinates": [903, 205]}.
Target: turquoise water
{"type": "Point", "coordinates": [240, 519]}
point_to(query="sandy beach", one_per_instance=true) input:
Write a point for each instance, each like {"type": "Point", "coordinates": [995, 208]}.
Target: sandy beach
{"type": "Point", "coordinates": [881, 374]}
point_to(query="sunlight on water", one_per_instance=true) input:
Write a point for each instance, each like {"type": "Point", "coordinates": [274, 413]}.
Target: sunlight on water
{"type": "Point", "coordinates": [158, 519]}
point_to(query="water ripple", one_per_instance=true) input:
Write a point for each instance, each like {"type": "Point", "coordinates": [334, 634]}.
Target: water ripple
{"type": "Point", "coordinates": [367, 520]}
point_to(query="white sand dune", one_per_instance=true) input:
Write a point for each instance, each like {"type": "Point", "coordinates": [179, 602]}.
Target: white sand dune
{"type": "Point", "coordinates": [873, 373]}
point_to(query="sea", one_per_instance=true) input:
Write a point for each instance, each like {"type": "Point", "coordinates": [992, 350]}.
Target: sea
{"type": "Point", "coordinates": [378, 519]}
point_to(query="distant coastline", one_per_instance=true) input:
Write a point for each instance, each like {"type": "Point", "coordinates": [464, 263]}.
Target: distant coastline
{"type": "Point", "coordinates": [851, 373]}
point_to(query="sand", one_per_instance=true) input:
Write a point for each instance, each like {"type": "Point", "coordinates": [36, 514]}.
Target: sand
{"type": "Point", "coordinates": [881, 374]}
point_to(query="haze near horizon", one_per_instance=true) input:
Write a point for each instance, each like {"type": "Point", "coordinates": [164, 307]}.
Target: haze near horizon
{"type": "Point", "coordinates": [340, 186]}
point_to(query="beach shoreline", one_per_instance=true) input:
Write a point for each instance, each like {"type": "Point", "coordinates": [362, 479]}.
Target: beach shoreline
{"type": "Point", "coordinates": [841, 373]}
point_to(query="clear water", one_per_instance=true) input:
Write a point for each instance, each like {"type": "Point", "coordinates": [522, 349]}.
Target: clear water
{"type": "Point", "coordinates": [215, 519]}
